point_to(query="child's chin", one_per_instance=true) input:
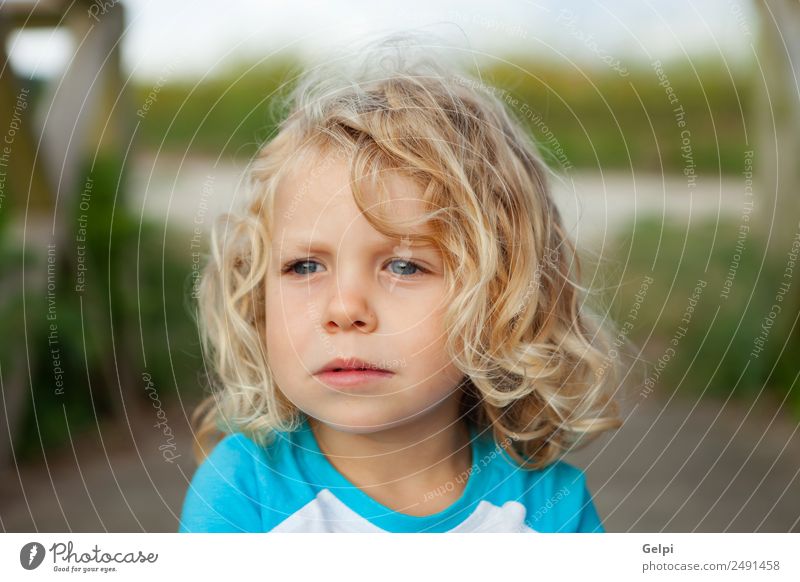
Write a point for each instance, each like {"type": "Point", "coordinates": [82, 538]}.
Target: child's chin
{"type": "Point", "coordinates": [362, 424]}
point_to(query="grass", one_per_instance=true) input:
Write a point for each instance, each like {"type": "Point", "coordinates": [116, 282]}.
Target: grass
{"type": "Point", "coordinates": [600, 118]}
{"type": "Point", "coordinates": [717, 355]}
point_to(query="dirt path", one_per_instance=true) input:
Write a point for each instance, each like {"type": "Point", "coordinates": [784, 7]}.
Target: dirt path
{"type": "Point", "coordinates": [705, 466]}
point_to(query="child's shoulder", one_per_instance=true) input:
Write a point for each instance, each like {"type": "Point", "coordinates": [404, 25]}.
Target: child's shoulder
{"type": "Point", "coordinates": [556, 497]}
{"type": "Point", "coordinates": [234, 454]}
{"type": "Point", "coordinates": [242, 451]}
{"type": "Point", "coordinates": [242, 462]}
{"type": "Point", "coordinates": [233, 443]}
{"type": "Point", "coordinates": [556, 472]}
{"type": "Point", "coordinates": [558, 475]}
{"type": "Point", "coordinates": [233, 461]}
{"type": "Point", "coordinates": [240, 486]}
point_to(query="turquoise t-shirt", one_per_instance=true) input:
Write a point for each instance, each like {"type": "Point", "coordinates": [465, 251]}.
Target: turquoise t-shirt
{"type": "Point", "coordinates": [290, 486]}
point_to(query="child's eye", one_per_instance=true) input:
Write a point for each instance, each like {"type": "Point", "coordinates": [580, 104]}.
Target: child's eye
{"type": "Point", "coordinates": [303, 264]}
{"type": "Point", "coordinates": [406, 266]}
{"type": "Point", "coordinates": [409, 269]}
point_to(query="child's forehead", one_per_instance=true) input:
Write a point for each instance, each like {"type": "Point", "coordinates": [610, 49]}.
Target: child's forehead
{"type": "Point", "coordinates": [319, 241]}
{"type": "Point", "coordinates": [324, 172]}
{"type": "Point", "coordinates": [319, 186]}
{"type": "Point", "coordinates": [332, 236]}
{"type": "Point", "coordinates": [317, 210]}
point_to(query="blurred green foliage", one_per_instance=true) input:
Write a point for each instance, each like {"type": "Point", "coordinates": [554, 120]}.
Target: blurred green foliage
{"type": "Point", "coordinates": [604, 120]}
{"type": "Point", "coordinates": [717, 355]}
{"type": "Point", "coordinates": [600, 118]}
{"type": "Point", "coordinates": [131, 317]}
{"type": "Point", "coordinates": [230, 114]}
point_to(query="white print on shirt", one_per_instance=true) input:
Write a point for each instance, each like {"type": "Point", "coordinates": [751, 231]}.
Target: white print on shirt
{"type": "Point", "coordinates": [327, 514]}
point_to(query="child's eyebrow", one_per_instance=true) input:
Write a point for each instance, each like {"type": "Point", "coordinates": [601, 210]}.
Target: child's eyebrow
{"type": "Point", "coordinates": [420, 249]}
{"type": "Point", "coordinates": [311, 245]}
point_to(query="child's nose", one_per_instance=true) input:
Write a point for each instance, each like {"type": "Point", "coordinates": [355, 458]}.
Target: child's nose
{"type": "Point", "coordinates": [349, 306]}
{"type": "Point", "coordinates": [346, 313]}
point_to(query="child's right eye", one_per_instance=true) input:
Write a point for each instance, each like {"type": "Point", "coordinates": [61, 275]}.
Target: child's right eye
{"type": "Point", "coordinates": [304, 267]}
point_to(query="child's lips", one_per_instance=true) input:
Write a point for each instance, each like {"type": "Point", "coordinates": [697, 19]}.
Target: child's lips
{"type": "Point", "coordinates": [347, 378]}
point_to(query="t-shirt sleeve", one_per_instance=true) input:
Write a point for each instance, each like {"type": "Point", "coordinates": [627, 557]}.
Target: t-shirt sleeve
{"type": "Point", "coordinates": [223, 495]}
{"type": "Point", "coordinates": [582, 514]}
{"type": "Point", "coordinates": [569, 507]}
{"type": "Point", "coordinates": [589, 521]}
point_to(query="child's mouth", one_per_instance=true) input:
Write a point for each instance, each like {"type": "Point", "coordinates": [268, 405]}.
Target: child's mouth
{"type": "Point", "coordinates": [348, 377]}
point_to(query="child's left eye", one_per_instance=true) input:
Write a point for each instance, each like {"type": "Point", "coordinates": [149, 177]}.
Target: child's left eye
{"type": "Point", "coordinates": [406, 265]}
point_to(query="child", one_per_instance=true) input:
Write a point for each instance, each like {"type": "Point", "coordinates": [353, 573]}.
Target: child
{"type": "Point", "coordinates": [436, 396]}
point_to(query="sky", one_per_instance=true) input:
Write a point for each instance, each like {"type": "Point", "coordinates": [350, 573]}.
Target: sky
{"type": "Point", "coordinates": [193, 38]}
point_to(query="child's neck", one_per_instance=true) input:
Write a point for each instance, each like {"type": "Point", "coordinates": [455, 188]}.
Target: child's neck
{"type": "Point", "coordinates": [402, 467]}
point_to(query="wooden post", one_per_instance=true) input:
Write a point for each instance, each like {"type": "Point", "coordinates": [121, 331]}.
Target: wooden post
{"type": "Point", "coordinates": [778, 123]}
{"type": "Point", "coordinates": [79, 119]}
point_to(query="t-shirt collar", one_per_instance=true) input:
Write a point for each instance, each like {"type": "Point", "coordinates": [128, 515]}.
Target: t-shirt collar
{"type": "Point", "coordinates": [328, 477]}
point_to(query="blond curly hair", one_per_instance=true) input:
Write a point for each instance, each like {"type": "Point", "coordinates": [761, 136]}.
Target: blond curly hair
{"type": "Point", "coordinates": [535, 359]}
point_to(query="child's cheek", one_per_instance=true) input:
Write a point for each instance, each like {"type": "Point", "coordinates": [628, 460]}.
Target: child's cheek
{"type": "Point", "coordinates": [291, 318]}
{"type": "Point", "coordinates": [421, 312]}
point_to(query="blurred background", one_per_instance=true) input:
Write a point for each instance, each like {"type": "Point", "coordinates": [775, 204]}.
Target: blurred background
{"type": "Point", "coordinates": [673, 133]}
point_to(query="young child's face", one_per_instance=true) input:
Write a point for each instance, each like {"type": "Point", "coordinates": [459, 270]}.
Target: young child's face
{"type": "Point", "coordinates": [350, 292]}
